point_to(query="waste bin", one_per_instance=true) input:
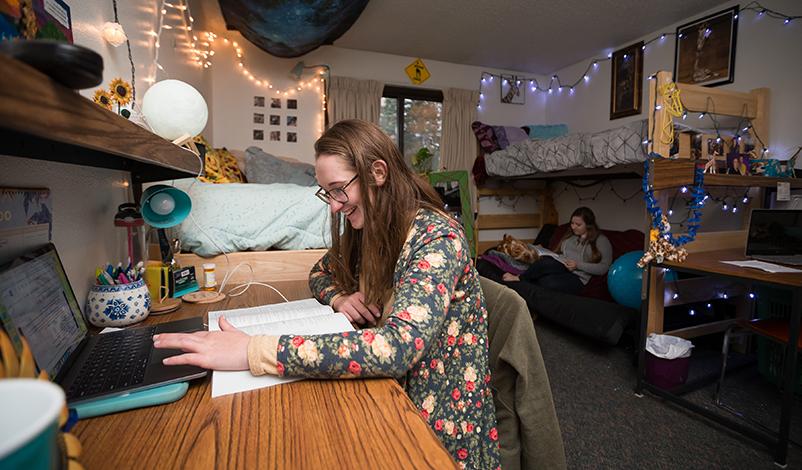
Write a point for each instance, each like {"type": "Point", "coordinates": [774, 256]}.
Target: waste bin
{"type": "Point", "coordinates": [667, 360]}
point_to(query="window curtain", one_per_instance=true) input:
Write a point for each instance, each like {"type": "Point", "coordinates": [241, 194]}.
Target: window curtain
{"type": "Point", "coordinates": [457, 141]}
{"type": "Point", "coordinates": [350, 98]}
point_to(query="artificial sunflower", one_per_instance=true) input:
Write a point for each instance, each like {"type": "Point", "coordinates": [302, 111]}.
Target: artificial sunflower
{"type": "Point", "coordinates": [103, 98]}
{"type": "Point", "coordinates": [120, 91]}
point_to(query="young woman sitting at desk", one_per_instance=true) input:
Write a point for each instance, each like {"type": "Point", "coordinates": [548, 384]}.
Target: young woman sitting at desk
{"type": "Point", "coordinates": [585, 252]}
{"type": "Point", "coordinates": [392, 246]}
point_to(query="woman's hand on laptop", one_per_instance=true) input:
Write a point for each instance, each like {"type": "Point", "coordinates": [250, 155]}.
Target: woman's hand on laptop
{"type": "Point", "coordinates": [216, 350]}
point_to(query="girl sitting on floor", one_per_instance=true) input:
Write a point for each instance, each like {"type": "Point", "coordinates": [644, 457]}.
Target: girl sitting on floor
{"type": "Point", "coordinates": [585, 252]}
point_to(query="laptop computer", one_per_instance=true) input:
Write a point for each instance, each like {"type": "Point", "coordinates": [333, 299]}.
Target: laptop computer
{"type": "Point", "coordinates": [775, 235]}
{"type": "Point", "coordinates": [37, 302]}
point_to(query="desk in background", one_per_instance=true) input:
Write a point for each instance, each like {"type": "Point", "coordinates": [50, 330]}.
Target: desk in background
{"type": "Point", "coordinates": [323, 424]}
{"type": "Point", "coordinates": [709, 263]}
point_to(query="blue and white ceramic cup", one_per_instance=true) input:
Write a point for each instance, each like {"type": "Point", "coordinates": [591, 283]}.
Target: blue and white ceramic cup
{"type": "Point", "coordinates": [118, 305]}
{"type": "Point", "coordinates": [29, 425]}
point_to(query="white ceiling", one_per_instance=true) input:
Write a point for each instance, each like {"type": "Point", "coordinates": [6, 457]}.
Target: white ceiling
{"type": "Point", "coordinates": [536, 36]}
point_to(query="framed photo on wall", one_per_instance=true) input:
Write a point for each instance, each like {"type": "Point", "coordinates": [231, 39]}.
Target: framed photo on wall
{"type": "Point", "coordinates": [513, 90]}
{"type": "Point", "coordinates": [705, 49]}
{"type": "Point", "coordinates": [626, 81]}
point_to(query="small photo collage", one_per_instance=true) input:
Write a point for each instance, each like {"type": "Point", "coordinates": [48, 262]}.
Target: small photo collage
{"type": "Point", "coordinates": [276, 119]}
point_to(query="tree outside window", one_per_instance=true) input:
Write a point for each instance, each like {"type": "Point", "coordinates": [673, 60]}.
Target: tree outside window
{"type": "Point", "coordinates": [417, 115]}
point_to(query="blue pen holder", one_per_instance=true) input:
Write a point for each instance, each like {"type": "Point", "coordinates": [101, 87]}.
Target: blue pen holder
{"type": "Point", "coordinates": [118, 305]}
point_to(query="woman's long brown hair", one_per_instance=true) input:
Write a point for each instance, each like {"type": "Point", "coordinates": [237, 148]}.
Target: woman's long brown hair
{"type": "Point", "coordinates": [589, 218]}
{"type": "Point", "coordinates": [371, 253]}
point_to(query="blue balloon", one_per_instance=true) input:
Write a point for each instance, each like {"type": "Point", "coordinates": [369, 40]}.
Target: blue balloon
{"type": "Point", "coordinates": [625, 278]}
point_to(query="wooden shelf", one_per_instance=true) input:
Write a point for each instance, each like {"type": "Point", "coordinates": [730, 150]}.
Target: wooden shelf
{"type": "Point", "coordinates": [42, 119]}
{"type": "Point", "coordinates": [676, 173]}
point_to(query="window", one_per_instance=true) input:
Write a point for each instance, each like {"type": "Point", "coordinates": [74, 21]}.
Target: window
{"type": "Point", "coordinates": [417, 115]}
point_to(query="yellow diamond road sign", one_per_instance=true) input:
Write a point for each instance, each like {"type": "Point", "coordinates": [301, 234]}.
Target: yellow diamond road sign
{"type": "Point", "coordinates": [417, 72]}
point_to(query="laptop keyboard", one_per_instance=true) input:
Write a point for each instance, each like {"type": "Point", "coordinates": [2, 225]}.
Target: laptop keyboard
{"type": "Point", "coordinates": [116, 361]}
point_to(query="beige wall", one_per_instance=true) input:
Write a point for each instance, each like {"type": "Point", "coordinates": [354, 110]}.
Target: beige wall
{"type": "Point", "coordinates": [233, 92]}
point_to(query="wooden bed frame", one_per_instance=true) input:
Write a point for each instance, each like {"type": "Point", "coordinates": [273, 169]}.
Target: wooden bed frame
{"type": "Point", "coordinates": [281, 269]}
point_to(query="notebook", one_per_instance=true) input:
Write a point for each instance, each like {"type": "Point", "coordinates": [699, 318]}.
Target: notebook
{"type": "Point", "coordinates": [300, 317]}
{"type": "Point", "coordinates": [37, 301]}
{"type": "Point", "coordinates": [775, 235]}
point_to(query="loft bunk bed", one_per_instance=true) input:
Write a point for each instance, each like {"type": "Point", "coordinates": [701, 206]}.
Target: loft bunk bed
{"type": "Point", "coordinates": [678, 171]}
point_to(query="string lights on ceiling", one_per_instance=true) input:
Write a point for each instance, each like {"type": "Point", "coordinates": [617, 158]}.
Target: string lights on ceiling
{"type": "Point", "coordinates": [557, 85]}
{"type": "Point", "coordinates": [184, 15]}
{"type": "Point", "coordinates": [201, 49]}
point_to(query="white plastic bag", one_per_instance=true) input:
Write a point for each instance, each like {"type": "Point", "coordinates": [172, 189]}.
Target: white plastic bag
{"type": "Point", "coordinates": [668, 347]}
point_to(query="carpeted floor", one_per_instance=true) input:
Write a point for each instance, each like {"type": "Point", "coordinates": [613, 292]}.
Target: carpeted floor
{"type": "Point", "coordinates": [605, 425]}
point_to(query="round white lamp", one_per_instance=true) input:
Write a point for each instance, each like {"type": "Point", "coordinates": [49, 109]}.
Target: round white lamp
{"type": "Point", "coordinates": [175, 110]}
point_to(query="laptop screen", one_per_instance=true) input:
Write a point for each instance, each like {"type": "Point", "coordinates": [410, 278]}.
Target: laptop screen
{"type": "Point", "coordinates": [37, 301]}
{"type": "Point", "coordinates": [774, 232]}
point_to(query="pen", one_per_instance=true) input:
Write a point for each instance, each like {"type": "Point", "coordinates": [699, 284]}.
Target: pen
{"type": "Point", "coordinates": [123, 279]}
{"type": "Point", "coordinates": [100, 279]}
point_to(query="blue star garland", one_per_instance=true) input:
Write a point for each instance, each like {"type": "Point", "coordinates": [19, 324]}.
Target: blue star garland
{"type": "Point", "coordinates": [698, 193]}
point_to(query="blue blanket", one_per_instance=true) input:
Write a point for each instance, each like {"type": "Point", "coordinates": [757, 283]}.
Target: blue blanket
{"type": "Point", "coordinates": [242, 217]}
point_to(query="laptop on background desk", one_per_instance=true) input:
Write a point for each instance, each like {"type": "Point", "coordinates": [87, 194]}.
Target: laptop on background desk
{"type": "Point", "coordinates": [775, 236]}
{"type": "Point", "coordinates": [37, 301]}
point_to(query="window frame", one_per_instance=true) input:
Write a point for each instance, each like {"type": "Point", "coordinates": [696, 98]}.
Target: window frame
{"type": "Point", "coordinates": [400, 93]}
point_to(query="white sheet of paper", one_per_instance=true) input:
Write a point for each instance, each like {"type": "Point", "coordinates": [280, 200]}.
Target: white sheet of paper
{"type": "Point", "coordinates": [543, 251]}
{"type": "Point", "coordinates": [242, 317]}
{"type": "Point", "coordinates": [762, 265]}
{"type": "Point", "coordinates": [227, 382]}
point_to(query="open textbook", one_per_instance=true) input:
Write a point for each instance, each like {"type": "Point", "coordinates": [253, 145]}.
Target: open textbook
{"type": "Point", "coordinates": [301, 317]}
{"type": "Point", "coordinates": [543, 251]}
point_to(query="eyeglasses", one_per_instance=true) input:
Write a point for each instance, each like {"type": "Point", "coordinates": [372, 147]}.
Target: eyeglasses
{"type": "Point", "coordinates": [337, 194]}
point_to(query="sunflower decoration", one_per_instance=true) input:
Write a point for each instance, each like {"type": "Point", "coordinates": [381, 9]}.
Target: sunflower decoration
{"type": "Point", "coordinates": [120, 91]}
{"type": "Point", "coordinates": [103, 98]}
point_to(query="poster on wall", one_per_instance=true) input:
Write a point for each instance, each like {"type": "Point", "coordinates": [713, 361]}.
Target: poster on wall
{"type": "Point", "coordinates": [35, 19]}
{"type": "Point", "coordinates": [626, 81]}
{"type": "Point", "coordinates": [705, 49]}
{"type": "Point", "coordinates": [26, 221]}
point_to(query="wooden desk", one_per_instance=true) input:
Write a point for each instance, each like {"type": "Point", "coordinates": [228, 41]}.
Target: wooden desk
{"type": "Point", "coordinates": [323, 424]}
{"type": "Point", "coordinates": [709, 264]}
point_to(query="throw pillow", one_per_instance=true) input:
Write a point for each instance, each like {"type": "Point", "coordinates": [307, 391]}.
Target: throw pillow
{"type": "Point", "coordinates": [219, 165]}
{"type": "Point", "coordinates": [546, 131]}
{"type": "Point", "coordinates": [486, 137]}
{"type": "Point", "coordinates": [508, 135]}
{"type": "Point", "coordinates": [265, 168]}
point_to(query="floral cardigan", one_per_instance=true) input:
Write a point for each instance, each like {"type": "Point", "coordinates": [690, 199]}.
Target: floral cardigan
{"type": "Point", "coordinates": [434, 340]}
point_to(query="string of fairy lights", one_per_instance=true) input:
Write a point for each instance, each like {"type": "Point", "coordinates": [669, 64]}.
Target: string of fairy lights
{"type": "Point", "coordinates": [200, 46]}
{"type": "Point", "coordinates": [557, 84]}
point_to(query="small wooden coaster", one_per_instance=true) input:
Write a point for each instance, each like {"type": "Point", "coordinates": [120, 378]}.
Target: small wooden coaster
{"type": "Point", "coordinates": [204, 297]}
{"type": "Point", "coordinates": [169, 305]}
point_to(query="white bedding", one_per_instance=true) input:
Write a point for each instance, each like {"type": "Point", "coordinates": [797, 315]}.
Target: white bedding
{"type": "Point", "coordinates": [590, 150]}
{"type": "Point", "coordinates": [243, 217]}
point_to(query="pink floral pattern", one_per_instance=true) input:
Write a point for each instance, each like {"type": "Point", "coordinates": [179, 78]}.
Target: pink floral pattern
{"type": "Point", "coordinates": [434, 341]}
